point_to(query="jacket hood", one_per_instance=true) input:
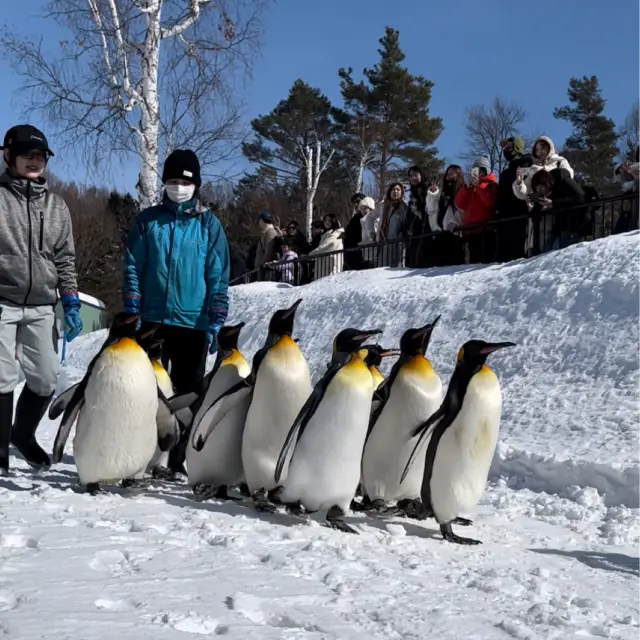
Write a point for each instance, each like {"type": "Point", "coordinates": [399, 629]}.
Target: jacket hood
{"type": "Point", "coordinates": [549, 141]}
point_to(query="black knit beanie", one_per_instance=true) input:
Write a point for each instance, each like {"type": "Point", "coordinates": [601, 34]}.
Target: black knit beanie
{"type": "Point", "coordinates": [182, 164]}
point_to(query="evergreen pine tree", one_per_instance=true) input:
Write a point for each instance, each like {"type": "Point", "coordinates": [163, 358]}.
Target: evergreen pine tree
{"type": "Point", "coordinates": [591, 148]}
{"type": "Point", "coordinates": [390, 114]}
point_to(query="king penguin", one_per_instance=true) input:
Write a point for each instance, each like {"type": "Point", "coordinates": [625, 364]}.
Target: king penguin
{"type": "Point", "coordinates": [121, 412]}
{"type": "Point", "coordinates": [278, 386]}
{"type": "Point", "coordinates": [324, 444]}
{"type": "Point", "coordinates": [218, 464]}
{"type": "Point", "coordinates": [159, 465]}
{"type": "Point", "coordinates": [463, 436]}
{"type": "Point", "coordinates": [414, 393]}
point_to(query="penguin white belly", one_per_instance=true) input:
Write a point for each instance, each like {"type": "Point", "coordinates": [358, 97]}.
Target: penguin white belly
{"type": "Point", "coordinates": [282, 387]}
{"type": "Point", "coordinates": [220, 461]}
{"type": "Point", "coordinates": [116, 433]}
{"type": "Point", "coordinates": [411, 402]}
{"type": "Point", "coordinates": [161, 458]}
{"type": "Point", "coordinates": [465, 450]}
{"type": "Point", "coordinates": [325, 467]}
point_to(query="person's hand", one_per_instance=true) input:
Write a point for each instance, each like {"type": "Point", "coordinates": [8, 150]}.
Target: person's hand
{"type": "Point", "coordinates": [519, 175]}
{"type": "Point", "coordinates": [213, 338]}
{"type": "Point", "coordinates": [451, 226]}
{"type": "Point", "coordinates": [474, 181]}
{"type": "Point", "coordinates": [545, 202]}
{"type": "Point", "coordinates": [73, 322]}
{"type": "Point", "coordinates": [434, 186]}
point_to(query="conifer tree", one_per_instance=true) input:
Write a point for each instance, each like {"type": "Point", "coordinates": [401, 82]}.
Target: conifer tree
{"type": "Point", "coordinates": [390, 118]}
{"type": "Point", "coordinates": [591, 148]}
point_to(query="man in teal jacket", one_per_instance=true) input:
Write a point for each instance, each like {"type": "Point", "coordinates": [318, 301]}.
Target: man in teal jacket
{"type": "Point", "coordinates": [176, 275]}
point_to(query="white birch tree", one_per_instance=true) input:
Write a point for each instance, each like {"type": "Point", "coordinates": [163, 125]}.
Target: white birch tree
{"type": "Point", "coordinates": [142, 77]}
{"type": "Point", "coordinates": [315, 167]}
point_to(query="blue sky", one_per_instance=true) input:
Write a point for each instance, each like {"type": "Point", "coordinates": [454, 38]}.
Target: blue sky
{"type": "Point", "coordinates": [470, 50]}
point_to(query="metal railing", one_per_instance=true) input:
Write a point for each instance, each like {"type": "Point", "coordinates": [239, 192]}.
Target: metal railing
{"type": "Point", "coordinates": [497, 240]}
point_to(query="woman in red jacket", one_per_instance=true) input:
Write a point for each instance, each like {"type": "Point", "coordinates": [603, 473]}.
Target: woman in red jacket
{"type": "Point", "coordinates": [477, 200]}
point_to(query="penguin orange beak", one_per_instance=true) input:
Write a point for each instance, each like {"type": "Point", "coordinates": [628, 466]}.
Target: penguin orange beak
{"type": "Point", "coordinates": [135, 318]}
{"type": "Point", "coordinates": [389, 353]}
{"type": "Point", "coordinates": [426, 331]}
{"type": "Point", "coordinates": [236, 328]}
{"type": "Point", "coordinates": [292, 309]}
{"type": "Point", "coordinates": [495, 346]}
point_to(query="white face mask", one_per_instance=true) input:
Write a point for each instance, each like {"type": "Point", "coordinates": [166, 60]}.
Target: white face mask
{"type": "Point", "coordinates": [180, 193]}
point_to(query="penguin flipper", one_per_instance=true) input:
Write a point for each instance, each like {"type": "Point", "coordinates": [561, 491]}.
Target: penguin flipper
{"type": "Point", "coordinates": [424, 429]}
{"type": "Point", "coordinates": [167, 423]}
{"type": "Point", "coordinates": [304, 415]}
{"type": "Point", "coordinates": [71, 411]}
{"type": "Point", "coordinates": [183, 401]}
{"type": "Point", "coordinates": [217, 411]}
{"type": "Point", "coordinates": [60, 403]}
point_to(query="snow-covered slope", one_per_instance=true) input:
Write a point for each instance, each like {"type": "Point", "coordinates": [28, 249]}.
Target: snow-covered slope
{"type": "Point", "coordinates": [559, 519]}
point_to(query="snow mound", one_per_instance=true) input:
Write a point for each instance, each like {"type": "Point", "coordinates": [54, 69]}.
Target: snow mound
{"type": "Point", "coordinates": [559, 520]}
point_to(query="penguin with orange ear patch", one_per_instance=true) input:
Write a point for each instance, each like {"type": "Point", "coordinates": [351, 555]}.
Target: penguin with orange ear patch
{"type": "Point", "coordinates": [463, 434]}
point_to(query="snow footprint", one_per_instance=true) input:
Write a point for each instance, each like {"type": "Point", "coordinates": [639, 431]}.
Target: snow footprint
{"type": "Point", "coordinates": [8, 600]}
{"type": "Point", "coordinates": [18, 541]}
{"type": "Point", "coordinates": [115, 562]}
{"type": "Point", "coordinates": [191, 623]}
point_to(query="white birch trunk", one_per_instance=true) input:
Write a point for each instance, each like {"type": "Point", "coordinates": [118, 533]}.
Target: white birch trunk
{"type": "Point", "coordinates": [314, 168]}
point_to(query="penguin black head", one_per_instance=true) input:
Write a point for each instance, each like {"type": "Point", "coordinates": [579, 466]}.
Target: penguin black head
{"type": "Point", "coordinates": [375, 353]}
{"type": "Point", "coordinates": [415, 342]}
{"type": "Point", "coordinates": [475, 352]}
{"type": "Point", "coordinates": [350, 340]}
{"type": "Point", "coordinates": [282, 320]}
{"type": "Point", "coordinates": [124, 325]}
{"type": "Point", "coordinates": [155, 350]}
{"type": "Point", "coordinates": [228, 338]}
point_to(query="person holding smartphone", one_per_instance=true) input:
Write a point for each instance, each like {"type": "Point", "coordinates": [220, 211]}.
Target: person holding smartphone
{"type": "Point", "coordinates": [477, 200]}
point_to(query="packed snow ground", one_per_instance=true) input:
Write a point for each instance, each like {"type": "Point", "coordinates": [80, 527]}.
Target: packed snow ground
{"type": "Point", "coordinates": [559, 520]}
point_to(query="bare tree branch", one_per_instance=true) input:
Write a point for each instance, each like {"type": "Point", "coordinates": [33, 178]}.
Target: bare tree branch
{"type": "Point", "coordinates": [142, 77]}
{"type": "Point", "coordinates": [486, 126]}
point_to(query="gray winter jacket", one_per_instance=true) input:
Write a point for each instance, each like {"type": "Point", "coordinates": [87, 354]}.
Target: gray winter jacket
{"type": "Point", "coordinates": [37, 253]}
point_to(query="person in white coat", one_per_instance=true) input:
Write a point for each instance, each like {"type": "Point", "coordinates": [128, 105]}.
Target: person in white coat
{"type": "Point", "coordinates": [329, 262]}
{"type": "Point", "coordinates": [369, 222]}
{"type": "Point", "coordinates": [545, 158]}
{"type": "Point", "coordinates": [445, 217]}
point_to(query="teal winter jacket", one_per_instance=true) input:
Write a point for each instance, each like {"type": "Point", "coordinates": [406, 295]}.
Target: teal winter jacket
{"type": "Point", "coordinates": [176, 267]}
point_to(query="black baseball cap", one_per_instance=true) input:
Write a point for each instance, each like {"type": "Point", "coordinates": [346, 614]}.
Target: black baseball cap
{"type": "Point", "coordinates": [23, 138]}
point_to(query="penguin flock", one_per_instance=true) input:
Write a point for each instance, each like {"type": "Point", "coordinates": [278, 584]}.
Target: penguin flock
{"type": "Point", "coordinates": [401, 442]}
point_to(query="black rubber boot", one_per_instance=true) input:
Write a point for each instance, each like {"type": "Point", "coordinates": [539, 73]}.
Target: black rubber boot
{"type": "Point", "coordinates": [6, 420]}
{"type": "Point", "coordinates": [29, 412]}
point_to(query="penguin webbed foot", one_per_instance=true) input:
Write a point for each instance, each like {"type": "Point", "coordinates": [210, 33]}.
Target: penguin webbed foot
{"type": "Point", "coordinates": [243, 488]}
{"type": "Point", "coordinates": [378, 506]}
{"type": "Point", "coordinates": [463, 522]}
{"type": "Point", "coordinates": [134, 483]}
{"type": "Point", "coordinates": [335, 519]}
{"type": "Point", "coordinates": [364, 505]}
{"type": "Point", "coordinates": [296, 509]}
{"type": "Point", "coordinates": [262, 503]}
{"type": "Point", "coordinates": [162, 473]}
{"type": "Point", "coordinates": [413, 509]}
{"type": "Point", "coordinates": [449, 536]}
{"type": "Point", "coordinates": [93, 489]}
{"type": "Point", "coordinates": [274, 495]}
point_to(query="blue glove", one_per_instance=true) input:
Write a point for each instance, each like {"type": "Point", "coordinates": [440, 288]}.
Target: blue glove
{"type": "Point", "coordinates": [71, 306]}
{"type": "Point", "coordinates": [213, 338]}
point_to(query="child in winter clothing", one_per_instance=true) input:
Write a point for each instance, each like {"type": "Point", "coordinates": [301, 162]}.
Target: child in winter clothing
{"type": "Point", "coordinates": [285, 266]}
{"type": "Point", "coordinates": [37, 261]}
{"type": "Point", "coordinates": [176, 275]}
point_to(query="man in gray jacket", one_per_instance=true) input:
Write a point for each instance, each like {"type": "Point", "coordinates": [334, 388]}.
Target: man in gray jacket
{"type": "Point", "coordinates": [37, 259]}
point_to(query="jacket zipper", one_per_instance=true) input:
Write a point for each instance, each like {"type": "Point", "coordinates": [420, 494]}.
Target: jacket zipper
{"type": "Point", "coordinates": [41, 230]}
{"type": "Point", "coordinates": [30, 242]}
